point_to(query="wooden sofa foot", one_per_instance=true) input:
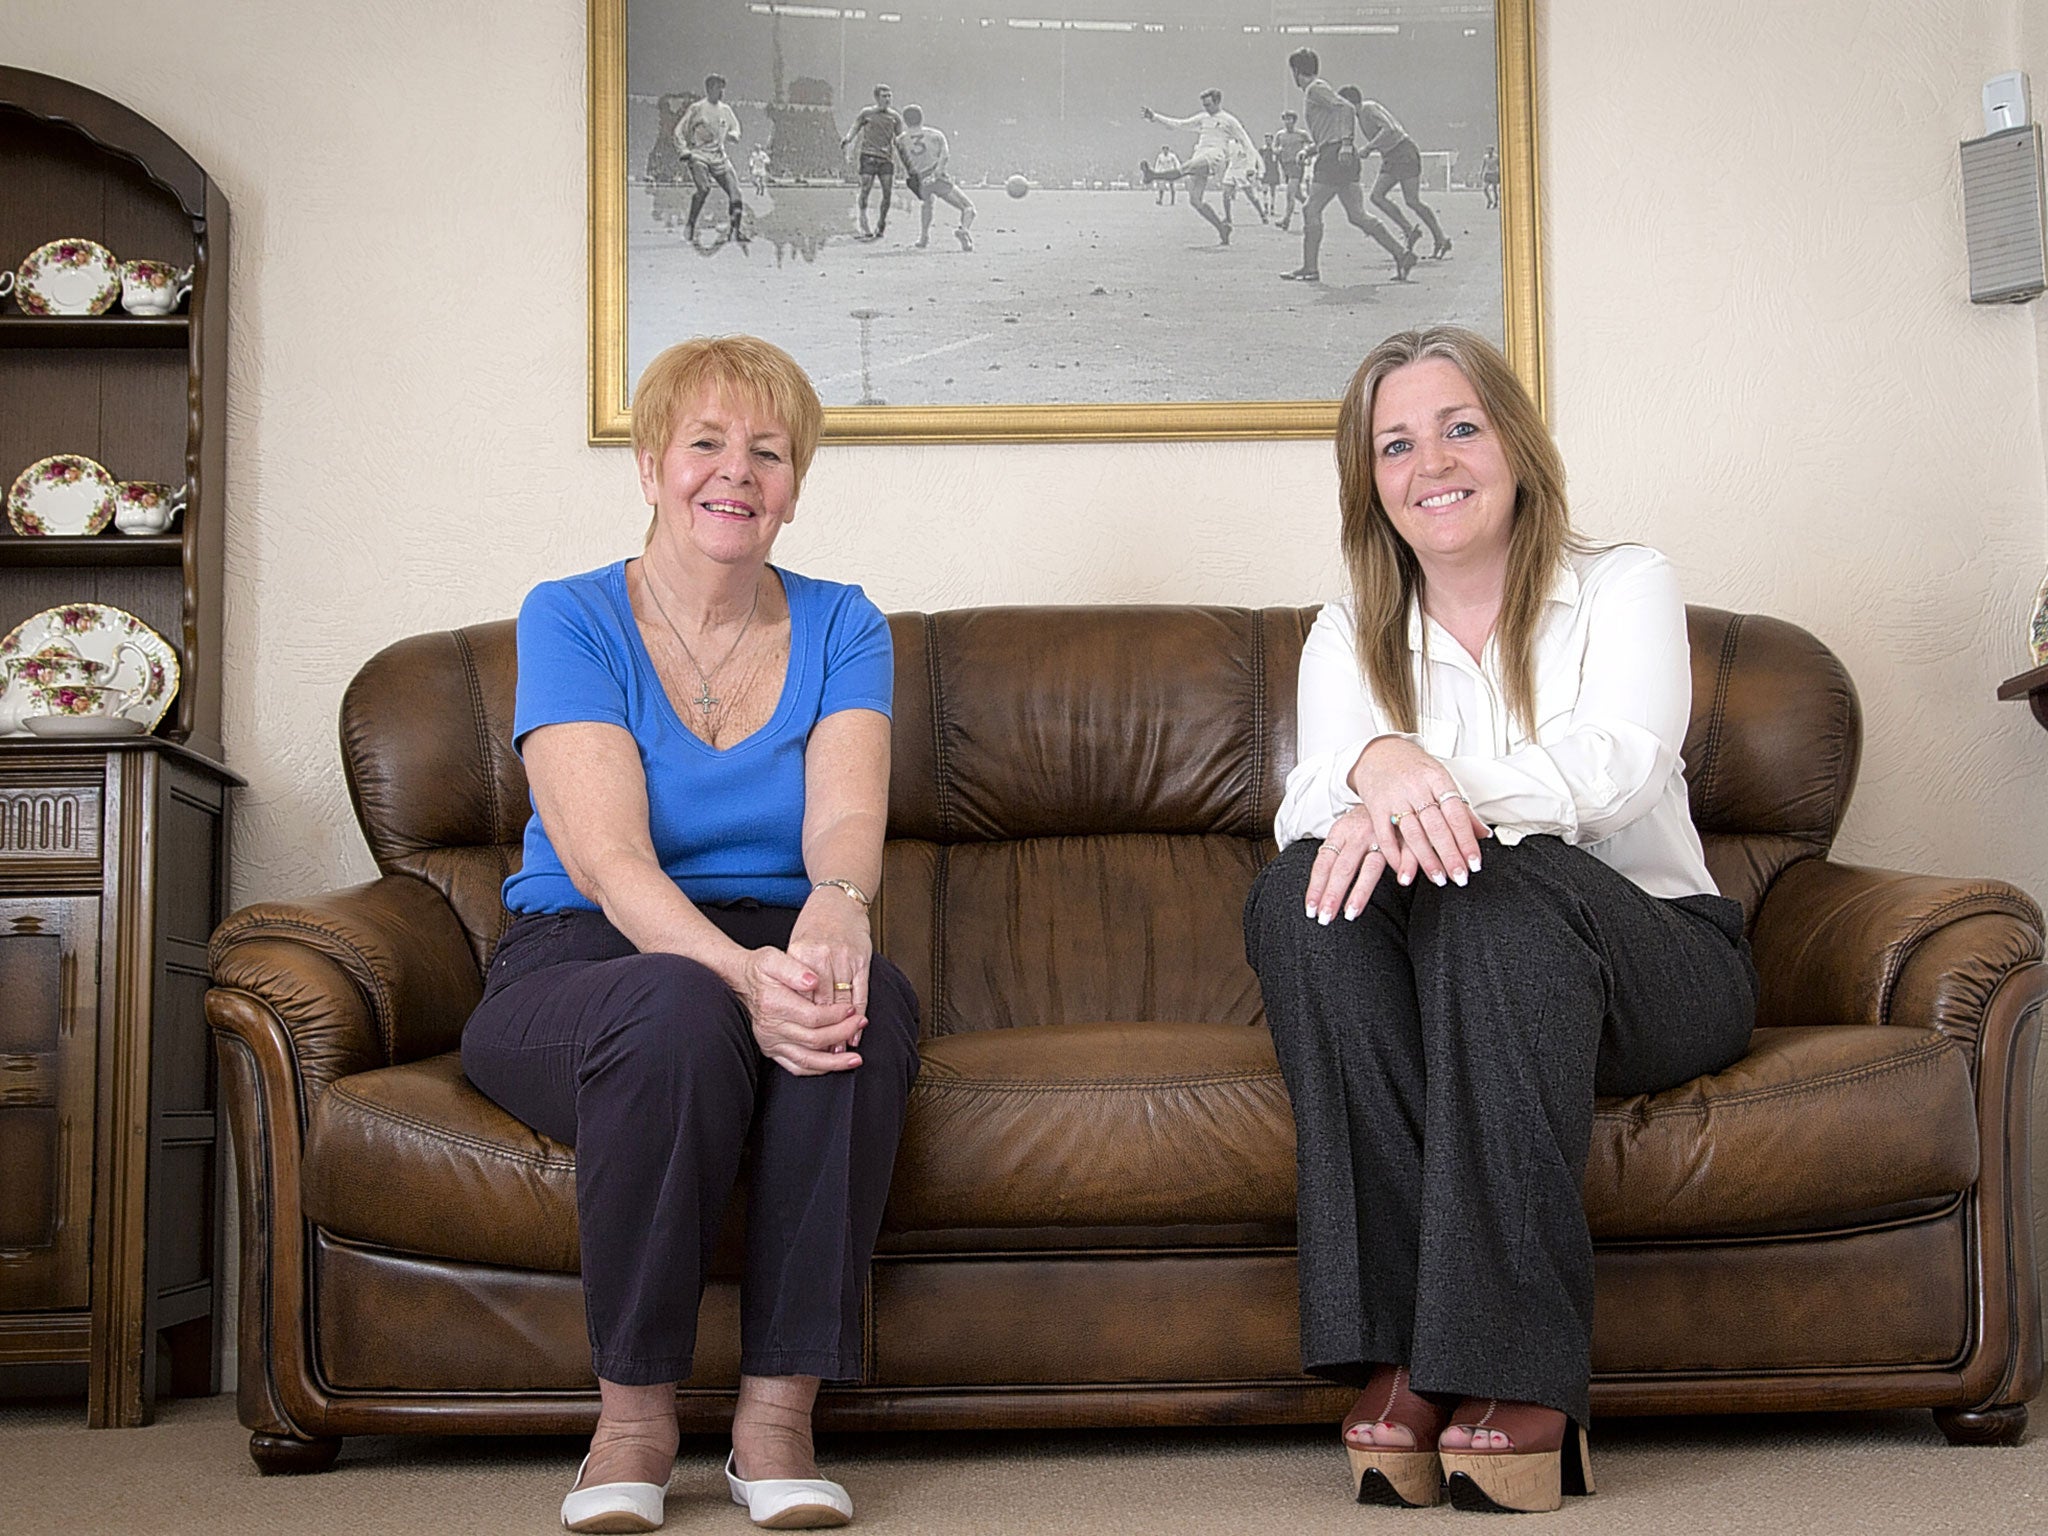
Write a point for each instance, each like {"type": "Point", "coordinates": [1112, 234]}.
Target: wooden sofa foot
{"type": "Point", "coordinates": [280, 1454]}
{"type": "Point", "coordinates": [1983, 1426]}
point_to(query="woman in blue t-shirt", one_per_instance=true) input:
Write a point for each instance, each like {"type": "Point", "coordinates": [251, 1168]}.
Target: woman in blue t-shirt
{"type": "Point", "coordinates": [689, 970]}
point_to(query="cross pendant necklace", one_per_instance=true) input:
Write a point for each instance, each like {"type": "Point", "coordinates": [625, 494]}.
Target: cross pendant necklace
{"type": "Point", "coordinates": [705, 700]}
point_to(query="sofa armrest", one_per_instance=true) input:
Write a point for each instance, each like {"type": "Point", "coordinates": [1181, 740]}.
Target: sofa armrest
{"type": "Point", "coordinates": [304, 993]}
{"type": "Point", "coordinates": [364, 977]}
{"type": "Point", "coordinates": [1841, 944]}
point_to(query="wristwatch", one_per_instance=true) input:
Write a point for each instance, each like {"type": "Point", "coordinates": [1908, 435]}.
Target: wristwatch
{"type": "Point", "coordinates": [850, 888]}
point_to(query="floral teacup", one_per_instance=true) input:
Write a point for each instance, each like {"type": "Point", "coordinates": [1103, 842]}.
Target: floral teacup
{"type": "Point", "coordinates": [153, 287]}
{"type": "Point", "coordinates": [61, 681]}
{"type": "Point", "coordinates": [77, 700]}
{"type": "Point", "coordinates": [147, 506]}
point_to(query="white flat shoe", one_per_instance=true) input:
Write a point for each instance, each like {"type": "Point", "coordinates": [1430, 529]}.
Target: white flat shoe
{"type": "Point", "coordinates": [612, 1507]}
{"type": "Point", "coordinates": [790, 1503]}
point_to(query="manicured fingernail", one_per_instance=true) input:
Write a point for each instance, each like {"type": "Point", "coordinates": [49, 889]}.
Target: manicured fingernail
{"type": "Point", "coordinates": [1406, 878]}
{"type": "Point", "coordinates": [1323, 918]}
{"type": "Point", "coordinates": [1475, 863]}
{"type": "Point", "coordinates": [1351, 914]}
{"type": "Point", "coordinates": [1309, 909]}
{"type": "Point", "coordinates": [1459, 876]}
{"type": "Point", "coordinates": [1438, 877]}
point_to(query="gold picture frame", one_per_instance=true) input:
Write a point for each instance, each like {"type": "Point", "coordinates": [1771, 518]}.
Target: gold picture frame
{"type": "Point", "coordinates": [610, 387]}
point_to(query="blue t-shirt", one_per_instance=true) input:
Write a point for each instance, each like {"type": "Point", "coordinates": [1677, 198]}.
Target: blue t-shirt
{"type": "Point", "coordinates": [727, 823]}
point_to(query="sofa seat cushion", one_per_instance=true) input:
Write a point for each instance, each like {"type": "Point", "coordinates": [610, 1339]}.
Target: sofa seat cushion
{"type": "Point", "coordinates": [1061, 1135]}
{"type": "Point", "coordinates": [414, 1158]}
{"type": "Point", "coordinates": [1814, 1128]}
{"type": "Point", "coordinates": [1179, 1135]}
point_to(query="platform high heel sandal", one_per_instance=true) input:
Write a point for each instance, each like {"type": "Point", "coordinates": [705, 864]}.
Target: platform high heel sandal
{"type": "Point", "coordinates": [1549, 1459]}
{"type": "Point", "coordinates": [1396, 1477]}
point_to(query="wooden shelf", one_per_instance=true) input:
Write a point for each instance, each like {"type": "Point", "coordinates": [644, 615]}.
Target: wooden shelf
{"type": "Point", "coordinates": [27, 743]}
{"type": "Point", "coordinates": [95, 330]}
{"type": "Point", "coordinates": [2031, 685]}
{"type": "Point", "coordinates": [2024, 684]}
{"type": "Point", "coordinates": [145, 395]}
{"type": "Point", "coordinates": [116, 549]}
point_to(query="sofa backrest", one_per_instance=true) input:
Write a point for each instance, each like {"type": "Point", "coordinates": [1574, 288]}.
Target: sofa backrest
{"type": "Point", "coordinates": [1080, 796]}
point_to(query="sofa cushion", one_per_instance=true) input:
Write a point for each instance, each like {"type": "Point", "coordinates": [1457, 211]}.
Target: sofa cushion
{"type": "Point", "coordinates": [1151, 1134]}
{"type": "Point", "coordinates": [1046, 1128]}
{"type": "Point", "coordinates": [1815, 1127]}
{"type": "Point", "coordinates": [414, 1158]}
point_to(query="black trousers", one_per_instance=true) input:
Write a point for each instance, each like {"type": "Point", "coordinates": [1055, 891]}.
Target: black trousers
{"type": "Point", "coordinates": [1442, 1053]}
{"type": "Point", "coordinates": [646, 1064]}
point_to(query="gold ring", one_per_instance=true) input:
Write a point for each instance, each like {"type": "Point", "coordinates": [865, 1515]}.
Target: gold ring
{"type": "Point", "coordinates": [1394, 817]}
{"type": "Point", "coordinates": [842, 986]}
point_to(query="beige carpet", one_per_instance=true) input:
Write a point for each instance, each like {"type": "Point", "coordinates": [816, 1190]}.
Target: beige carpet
{"type": "Point", "coordinates": [190, 1473]}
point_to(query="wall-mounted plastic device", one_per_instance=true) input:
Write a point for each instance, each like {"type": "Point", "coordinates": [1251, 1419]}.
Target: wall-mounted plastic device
{"type": "Point", "coordinates": [2002, 198]}
{"type": "Point", "coordinates": [2007, 102]}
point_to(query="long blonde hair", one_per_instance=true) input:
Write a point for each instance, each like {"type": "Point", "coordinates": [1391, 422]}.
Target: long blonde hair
{"type": "Point", "coordinates": [1386, 581]}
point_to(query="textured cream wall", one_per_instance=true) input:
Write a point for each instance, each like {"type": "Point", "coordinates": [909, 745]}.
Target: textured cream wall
{"type": "Point", "coordinates": [1762, 360]}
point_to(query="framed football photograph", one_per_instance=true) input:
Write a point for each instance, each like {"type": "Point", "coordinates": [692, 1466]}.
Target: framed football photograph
{"type": "Point", "coordinates": [1083, 219]}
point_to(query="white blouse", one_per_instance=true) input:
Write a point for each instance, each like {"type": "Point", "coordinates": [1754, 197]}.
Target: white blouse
{"type": "Point", "coordinates": [1613, 698]}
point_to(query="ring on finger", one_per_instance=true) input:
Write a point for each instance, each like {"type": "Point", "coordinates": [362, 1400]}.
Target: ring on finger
{"type": "Point", "coordinates": [1394, 817]}
{"type": "Point", "coordinates": [1450, 795]}
{"type": "Point", "coordinates": [842, 986]}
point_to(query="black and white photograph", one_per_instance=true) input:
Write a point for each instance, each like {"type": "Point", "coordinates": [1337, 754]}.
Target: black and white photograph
{"type": "Point", "coordinates": [1087, 205]}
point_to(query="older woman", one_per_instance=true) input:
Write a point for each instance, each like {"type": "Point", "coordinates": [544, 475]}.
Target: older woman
{"type": "Point", "coordinates": [690, 974]}
{"type": "Point", "coordinates": [1445, 1012]}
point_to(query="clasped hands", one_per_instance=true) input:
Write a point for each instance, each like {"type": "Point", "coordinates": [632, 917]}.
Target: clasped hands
{"type": "Point", "coordinates": [1410, 816]}
{"type": "Point", "coordinates": [809, 1003]}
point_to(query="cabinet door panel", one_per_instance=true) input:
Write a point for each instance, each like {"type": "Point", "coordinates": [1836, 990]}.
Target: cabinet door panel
{"type": "Point", "coordinates": [49, 998]}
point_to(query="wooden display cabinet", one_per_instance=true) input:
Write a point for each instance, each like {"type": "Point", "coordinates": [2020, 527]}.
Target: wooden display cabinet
{"type": "Point", "coordinates": [113, 852]}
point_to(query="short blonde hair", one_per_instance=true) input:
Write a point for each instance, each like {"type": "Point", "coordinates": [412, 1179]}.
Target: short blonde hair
{"type": "Point", "coordinates": [727, 367]}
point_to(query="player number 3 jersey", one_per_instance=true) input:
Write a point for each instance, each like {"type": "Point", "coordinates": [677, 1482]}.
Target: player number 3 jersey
{"type": "Point", "coordinates": [924, 149]}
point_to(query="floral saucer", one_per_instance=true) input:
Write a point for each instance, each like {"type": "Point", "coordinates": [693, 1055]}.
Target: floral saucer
{"type": "Point", "coordinates": [129, 650]}
{"type": "Point", "coordinates": [68, 277]}
{"type": "Point", "coordinates": [75, 727]}
{"type": "Point", "coordinates": [64, 496]}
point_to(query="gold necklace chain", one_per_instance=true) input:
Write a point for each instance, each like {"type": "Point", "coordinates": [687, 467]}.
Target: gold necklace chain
{"type": "Point", "coordinates": [704, 699]}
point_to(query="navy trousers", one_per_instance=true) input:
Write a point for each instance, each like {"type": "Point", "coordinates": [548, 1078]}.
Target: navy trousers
{"type": "Point", "coordinates": [646, 1064]}
{"type": "Point", "coordinates": [1442, 1053]}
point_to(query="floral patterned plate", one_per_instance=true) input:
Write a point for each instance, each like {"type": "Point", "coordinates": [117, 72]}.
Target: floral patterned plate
{"type": "Point", "coordinates": [68, 277]}
{"type": "Point", "coordinates": [122, 651]}
{"type": "Point", "coordinates": [66, 495]}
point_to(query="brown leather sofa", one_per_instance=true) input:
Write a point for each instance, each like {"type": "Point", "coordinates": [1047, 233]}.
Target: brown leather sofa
{"type": "Point", "coordinates": [1092, 1221]}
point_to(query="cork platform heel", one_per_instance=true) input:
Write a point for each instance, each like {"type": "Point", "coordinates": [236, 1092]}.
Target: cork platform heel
{"type": "Point", "coordinates": [1396, 1477]}
{"type": "Point", "coordinates": [1550, 1458]}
